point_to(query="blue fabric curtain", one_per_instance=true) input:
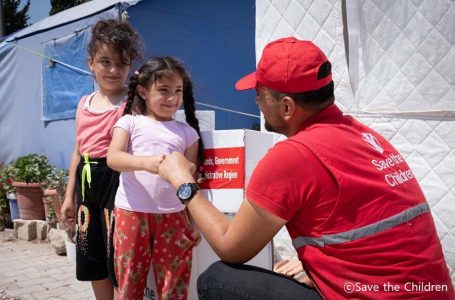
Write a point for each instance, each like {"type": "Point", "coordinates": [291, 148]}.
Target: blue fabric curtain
{"type": "Point", "coordinates": [64, 85]}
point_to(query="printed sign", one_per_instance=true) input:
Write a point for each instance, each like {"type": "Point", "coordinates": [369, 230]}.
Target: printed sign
{"type": "Point", "coordinates": [224, 168]}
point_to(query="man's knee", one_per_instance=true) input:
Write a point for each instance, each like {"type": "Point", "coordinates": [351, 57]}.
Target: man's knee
{"type": "Point", "coordinates": [210, 275]}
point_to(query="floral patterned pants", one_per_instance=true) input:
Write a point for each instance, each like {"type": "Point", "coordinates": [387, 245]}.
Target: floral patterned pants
{"type": "Point", "coordinates": [166, 240]}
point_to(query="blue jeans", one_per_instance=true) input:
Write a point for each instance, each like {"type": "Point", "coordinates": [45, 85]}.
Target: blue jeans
{"type": "Point", "coordinates": [234, 282]}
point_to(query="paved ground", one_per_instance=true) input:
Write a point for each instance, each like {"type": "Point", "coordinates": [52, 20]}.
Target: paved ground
{"type": "Point", "coordinates": [32, 270]}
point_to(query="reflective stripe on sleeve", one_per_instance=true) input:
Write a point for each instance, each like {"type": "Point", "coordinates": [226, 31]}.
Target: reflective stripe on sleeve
{"type": "Point", "coordinates": [368, 230]}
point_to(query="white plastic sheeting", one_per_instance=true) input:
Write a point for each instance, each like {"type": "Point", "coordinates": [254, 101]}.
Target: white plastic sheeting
{"type": "Point", "coordinates": [402, 55]}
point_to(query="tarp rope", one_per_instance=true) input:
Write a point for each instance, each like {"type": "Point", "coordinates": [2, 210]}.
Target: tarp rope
{"type": "Point", "coordinates": [53, 60]}
{"type": "Point", "coordinates": [228, 110]}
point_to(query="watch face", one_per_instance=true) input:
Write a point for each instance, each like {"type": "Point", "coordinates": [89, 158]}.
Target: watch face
{"type": "Point", "coordinates": [184, 192]}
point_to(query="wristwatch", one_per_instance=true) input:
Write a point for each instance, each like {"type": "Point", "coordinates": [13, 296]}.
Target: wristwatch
{"type": "Point", "coordinates": [186, 191]}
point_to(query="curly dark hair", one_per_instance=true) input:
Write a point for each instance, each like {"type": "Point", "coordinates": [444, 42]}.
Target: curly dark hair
{"type": "Point", "coordinates": [154, 69]}
{"type": "Point", "coordinates": [120, 37]}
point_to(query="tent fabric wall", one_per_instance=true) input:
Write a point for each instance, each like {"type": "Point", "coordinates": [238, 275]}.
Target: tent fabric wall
{"type": "Point", "coordinates": [402, 59]}
{"type": "Point", "coordinates": [375, 88]}
{"type": "Point", "coordinates": [401, 56]}
{"type": "Point", "coordinates": [71, 15]}
{"type": "Point", "coordinates": [404, 55]}
{"type": "Point", "coordinates": [8, 71]}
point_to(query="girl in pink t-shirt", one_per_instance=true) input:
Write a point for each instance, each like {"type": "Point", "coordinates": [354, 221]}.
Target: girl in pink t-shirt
{"type": "Point", "coordinates": [151, 221]}
{"type": "Point", "coordinates": [114, 45]}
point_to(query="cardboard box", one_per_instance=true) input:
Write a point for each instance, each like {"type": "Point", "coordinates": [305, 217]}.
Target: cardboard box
{"type": "Point", "coordinates": [230, 158]}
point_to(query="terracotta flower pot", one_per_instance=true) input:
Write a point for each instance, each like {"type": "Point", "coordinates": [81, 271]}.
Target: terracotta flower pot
{"type": "Point", "coordinates": [29, 200]}
{"type": "Point", "coordinates": [51, 197]}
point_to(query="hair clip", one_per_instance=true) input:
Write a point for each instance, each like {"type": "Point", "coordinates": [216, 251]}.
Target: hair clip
{"type": "Point", "coordinates": [136, 72]}
{"type": "Point", "coordinates": [125, 16]}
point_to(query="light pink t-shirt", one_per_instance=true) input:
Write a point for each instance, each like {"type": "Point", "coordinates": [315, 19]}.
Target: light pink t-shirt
{"type": "Point", "coordinates": [140, 190]}
{"type": "Point", "coordinates": [94, 127]}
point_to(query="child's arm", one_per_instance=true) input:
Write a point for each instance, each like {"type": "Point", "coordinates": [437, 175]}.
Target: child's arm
{"type": "Point", "coordinates": [68, 207]}
{"type": "Point", "coordinates": [120, 160]}
{"type": "Point", "coordinates": [191, 153]}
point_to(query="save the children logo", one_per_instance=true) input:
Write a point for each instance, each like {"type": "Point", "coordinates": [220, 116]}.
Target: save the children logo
{"type": "Point", "coordinates": [372, 141]}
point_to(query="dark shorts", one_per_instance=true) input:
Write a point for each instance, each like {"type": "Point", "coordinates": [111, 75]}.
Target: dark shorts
{"type": "Point", "coordinates": [94, 244]}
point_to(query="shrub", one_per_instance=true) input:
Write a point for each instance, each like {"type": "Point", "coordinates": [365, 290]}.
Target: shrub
{"type": "Point", "coordinates": [56, 179]}
{"type": "Point", "coordinates": [31, 168]}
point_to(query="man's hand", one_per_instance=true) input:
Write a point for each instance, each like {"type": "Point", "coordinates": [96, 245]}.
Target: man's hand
{"type": "Point", "coordinates": [176, 169]}
{"type": "Point", "coordinates": [292, 268]}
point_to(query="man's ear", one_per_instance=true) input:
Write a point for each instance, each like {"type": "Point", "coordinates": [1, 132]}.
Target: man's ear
{"type": "Point", "coordinates": [287, 107]}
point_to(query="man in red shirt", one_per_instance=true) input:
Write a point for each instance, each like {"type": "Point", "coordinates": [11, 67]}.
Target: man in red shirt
{"type": "Point", "coordinates": [358, 219]}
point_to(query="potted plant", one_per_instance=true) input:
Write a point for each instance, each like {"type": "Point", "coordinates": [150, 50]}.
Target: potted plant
{"type": "Point", "coordinates": [28, 173]}
{"type": "Point", "coordinates": [54, 188]}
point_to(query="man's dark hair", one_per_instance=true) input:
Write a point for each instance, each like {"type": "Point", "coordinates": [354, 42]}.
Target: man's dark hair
{"type": "Point", "coordinates": [312, 100]}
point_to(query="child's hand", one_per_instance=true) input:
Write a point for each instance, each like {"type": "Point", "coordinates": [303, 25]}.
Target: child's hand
{"type": "Point", "coordinates": [152, 163]}
{"type": "Point", "coordinates": [68, 212]}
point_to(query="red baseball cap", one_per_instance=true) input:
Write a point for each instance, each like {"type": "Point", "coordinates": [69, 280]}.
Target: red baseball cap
{"type": "Point", "coordinates": [288, 65]}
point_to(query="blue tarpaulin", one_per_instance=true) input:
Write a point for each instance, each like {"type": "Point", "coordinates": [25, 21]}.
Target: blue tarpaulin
{"type": "Point", "coordinates": [63, 86]}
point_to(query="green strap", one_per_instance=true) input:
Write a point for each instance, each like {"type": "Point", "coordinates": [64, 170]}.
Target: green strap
{"type": "Point", "coordinates": [86, 174]}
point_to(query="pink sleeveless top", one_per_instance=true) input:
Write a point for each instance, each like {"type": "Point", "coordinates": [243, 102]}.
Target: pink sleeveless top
{"type": "Point", "coordinates": [94, 128]}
